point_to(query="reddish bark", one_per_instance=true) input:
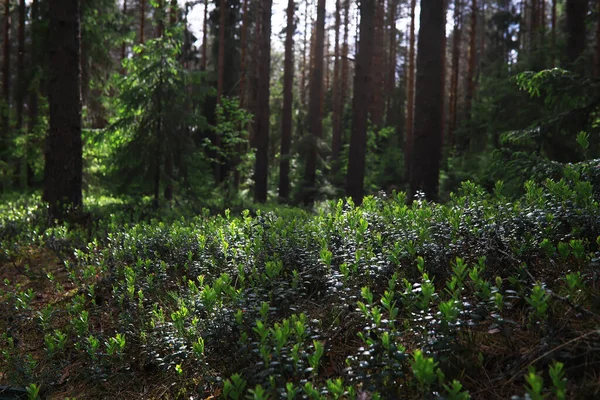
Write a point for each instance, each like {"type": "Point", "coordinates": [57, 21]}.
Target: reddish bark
{"type": "Point", "coordinates": [142, 20]}
{"type": "Point", "coordinates": [262, 121]}
{"type": "Point", "coordinates": [315, 107]}
{"type": "Point", "coordinates": [410, 94]}
{"type": "Point", "coordinates": [472, 60]}
{"type": "Point", "coordinates": [362, 94]}
{"type": "Point", "coordinates": [336, 143]}
{"type": "Point", "coordinates": [427, 146]}
{"type": "Point", "coordinates": [456, 41]}
{"type": "Point", "coordinates": [286, 118]}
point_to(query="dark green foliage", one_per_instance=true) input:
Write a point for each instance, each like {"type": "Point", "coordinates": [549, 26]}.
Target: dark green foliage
{"type": "Point", "coordinates": [157, 118]}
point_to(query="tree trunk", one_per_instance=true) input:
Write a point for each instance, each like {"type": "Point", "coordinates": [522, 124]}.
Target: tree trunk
{"type": "Point", "coordinates": [33, 90]}
{"type": "Point", "coordinates": [6, 76]}
{"type": "Point", "coordinates": [21, 84]}
{"type": "Point", "coordinates": [305, 47]}
{"type": "Point", "coordinates": [221, 65]}
{"type": "Point", "coordinates": [362, 96]}
{"type": "Point", "coordinates": [597, 65]}
{"type": "Point", "coordinates": [63, 167]}
{"type": "Point", "coordinates": [456, 41]}
{"type": "Point", "coordinates": [142, 20]}
{"type": "Point", "coordinates": [262, 125]}
{"type": "Point", "coordinates": [427, 145]}
{"type": "Point", "coordinates": [391, 78]}
{"type": "Point", "coordinates": [286, 118]}
{"type": "Point", "coordinates": [244, 50]}
{"type": "Point", "coordinates": [220, 81]}
{"type": "Point", "coordinates": [408, 145]}
{"type": "Point", "coordinates": [345, 62]}
{"type": "Point", "coordinates": [124, 43]}
{"type": "Point", "coordinates": [533, 26]}
{"type": "Point", "coordinates": [204, 37]}
{"type": "Point", "coordinates": [160, 25]}
{"type": "Point", "coordinates": [338, 107]}
{"type": "Point", "coordinates": [315, 107]}
{"type": "Point", "coordinates": [576, 33]}
{"type": "Point", "coordinates": [376, 104]}
{"type": "Point", "coordinates": [553, 34]}
{"type": "Point", "coordinates": [472, 60]}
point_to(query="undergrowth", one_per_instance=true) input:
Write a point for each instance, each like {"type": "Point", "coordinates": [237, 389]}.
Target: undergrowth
{"type": "Point", "coordinates": [482, 297]}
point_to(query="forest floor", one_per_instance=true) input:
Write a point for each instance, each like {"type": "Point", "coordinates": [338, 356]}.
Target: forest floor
{"type": "Point", "coordinates": [478, 298]}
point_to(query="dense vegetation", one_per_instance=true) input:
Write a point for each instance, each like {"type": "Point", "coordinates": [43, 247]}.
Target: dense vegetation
{"type": "Point", "coordinates": [480, 294]}
{"type": "Point", "coordinates": [358, 215]}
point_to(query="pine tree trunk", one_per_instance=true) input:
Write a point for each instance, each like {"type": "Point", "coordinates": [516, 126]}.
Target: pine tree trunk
{"type": "Point", "coordinates": [472, 60]}
{"type": "Point", "coordinates": [345, 67]}
{"type": "Point", "coordinates": [21, 84]}
{"type": "Point", "coordinates": [391, 78]}
{"type": "Point", "coordinates": [262, 125]}
{"type": "Point", "coordinates": [204, 37]}
{"type": "Point", "coordinates": [576, 32]}
{"type": "Point", "coordinates": [243, 50]}
{"type": "Point", "coordinates": [124, 43]}
{"type": "Point", "coordinates": [63, 167]}
{"type": "Point", "coordinates": [376, 104]}
{"type": "Point", "coordinates": [33, 89]}
{"type": "Point", "coordinates": [160, 25]}
{"type": "Point", "coordinates": [533, 26]}
{"type": "Point", "coordinates": [408, 145]}
{"type": "Point", "coordinates": [220, 81]}
{"type": "Point", "coordinates": [142, 20]}
{"type": "Point", "coordinates": [286, 118]}
{"type": "Point", "coordinates": [597, 65]}
{"type": "Point", "coordinates": [456, 41]}
{"type": "Point", "coordinates": [553, 34]}
{"type": "Point", "coordinates": [221, 64]}
{"type": "Point", "coordinates": [305, 47]}
{"type": "Point", "coordinates": [315, 107]}
{"type": "Point", "coordinates": [5, 118]}
{"type": "Point", "coordinates": [362, 96]}
{"type": "Point", "coordinates": [336, 142]}
{"type": "Point", "coordinates": [427, 144]}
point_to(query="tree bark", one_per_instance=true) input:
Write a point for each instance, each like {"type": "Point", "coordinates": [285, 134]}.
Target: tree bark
{"type": "Point", "coordinates": [472, 60]}
{"type": "Point", "coordinates": [456, 41]}
{"type": "Point", "coordinates": [427, 145]}
{"type": "Point", "coordinates": [315, 107]}
{"type": "Point", "coordinates": [408, 145]}
{"type": "Point", "coordinates": [305, 47]}
{"type": "Point", "coordinates": [336, 140]}
{"type": "Point", "coordinates": [391, 78]}
{"type": "Point", "coordinates": [142, 20]}
{"type": "Point", "coordinates": [262, 125]}
{"type": "Point", "coordinates": [21, 84]}
{"type": "Point", "coordinates": [345, 66]}
{"type": "Point", "coordinates": [286, 118]}
{"type": "Point", "coordinates": [597, 65]}
{"type": "Point", "coordinates": [376, 104]}
{"type": "Point", "coordinates": [33, 90]}
{"type": "Point", "coordinates": [220, 80]}
{"type": "Point", "coordinates": [362, 95]}
{"type": "Point", "coordinates": [576, 32]}
{"type": "Point", "coordinates": [244, 50]}
{"type": "Point", "coordinates": [124, 43]}
{"type": "Point", "coordinates": [63, 167]}
{"type": "Point", "coordinates": [6, 76]}
{"type": "Point", "coordinates": [553, 34]}
{"type": "Point", "coordinates": [204, 37]}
